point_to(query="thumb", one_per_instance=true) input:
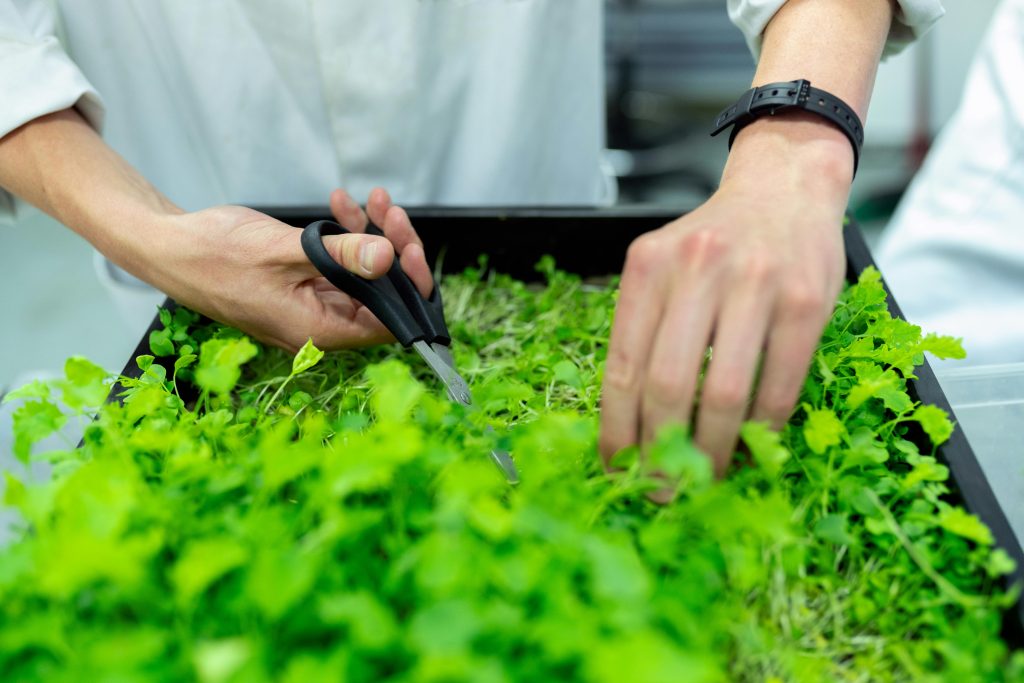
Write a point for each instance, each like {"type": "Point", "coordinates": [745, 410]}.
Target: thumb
{"type": "Point", "coordinates": [368, 256]}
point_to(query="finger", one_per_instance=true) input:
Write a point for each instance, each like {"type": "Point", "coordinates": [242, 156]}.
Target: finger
{"type": "Point", "coordinates": [792, 341]}
{"type": "Point", "coordinates": [676, 357]}
{"type": "Point", "coordinates": [414, 263]}
{"type": "Point", "coordinates": [347, 211]}
{"type": "Point", "coordinates": [637, 314]}
{"type": "Point", "coordinates": [369, 256]}
{"type": "Point", "coordinates": [338, 322]}
{"type": "Point", "coordinates": [315, 308]}
{"type": "Point", "coordinates": [398, 228]}
{"type": "Point", "coordinates": [344, 322]}
{"type": "Point", "coordinates": [359, 331]}
{"type": "Point", "coordinates": [377, 205]}
{"type": "Point", "coordinates": [725, 394]}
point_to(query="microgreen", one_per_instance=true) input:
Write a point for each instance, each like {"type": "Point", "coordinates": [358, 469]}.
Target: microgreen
{"type": "Point", "coordinates": [251, 516]}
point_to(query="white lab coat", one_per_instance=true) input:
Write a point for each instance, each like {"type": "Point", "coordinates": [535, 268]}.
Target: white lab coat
{"type": "Point", "coordinates": [448, 102]}
{"type": "Point", "coordinates": [954, 252]}
{"type": "Point", "coordinates": [272, 102]}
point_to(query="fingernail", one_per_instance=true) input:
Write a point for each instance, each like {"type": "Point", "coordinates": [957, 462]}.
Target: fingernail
{"type": "Point", "coordinates": [367, 252]}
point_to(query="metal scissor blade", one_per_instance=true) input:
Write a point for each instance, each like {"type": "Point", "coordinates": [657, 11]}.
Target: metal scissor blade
{"type": "Point", "coordinates": [458, 390]}
{"type": "Point", "coordinates": [444, 353]}
{"type": "Point", "coordinates": [504, 462]}
{"type": "Point", "coordinates": [439, 358]}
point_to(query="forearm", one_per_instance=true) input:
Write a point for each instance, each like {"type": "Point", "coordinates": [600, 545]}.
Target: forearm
{"type": "Point", "coordinates": [835, 44]}
{"type": "Point", "coordinates": [59, 164]}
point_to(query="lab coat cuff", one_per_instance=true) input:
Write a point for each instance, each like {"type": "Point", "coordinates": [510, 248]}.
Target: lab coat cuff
{"type": "Point", "coordinates": [912, 19]}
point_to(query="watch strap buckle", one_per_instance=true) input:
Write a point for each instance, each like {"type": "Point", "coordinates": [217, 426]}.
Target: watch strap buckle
{"type": "Point", "coordinates": [738, 112]}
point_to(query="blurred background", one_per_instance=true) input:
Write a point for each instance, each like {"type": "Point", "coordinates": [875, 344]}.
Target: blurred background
{"type": "Point", "coordinates": [671, 66]}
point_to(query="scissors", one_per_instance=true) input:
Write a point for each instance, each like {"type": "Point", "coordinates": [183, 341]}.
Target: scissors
{"type": "Point", "coordinates": [415, 321]}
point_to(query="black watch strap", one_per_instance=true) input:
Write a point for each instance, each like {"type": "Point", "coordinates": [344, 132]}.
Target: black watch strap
{"type": "Point", "coordinates": [768, 99]}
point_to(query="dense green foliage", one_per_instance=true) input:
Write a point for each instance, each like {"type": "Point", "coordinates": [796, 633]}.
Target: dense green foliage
{"type": "Point", "coordinates": [329, 518]}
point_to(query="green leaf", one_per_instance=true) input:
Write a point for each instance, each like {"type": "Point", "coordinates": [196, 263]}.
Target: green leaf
{"type": "Point", "coordinates": [85, 384]}
{"type": "Point", "coordinates": [497, 394]}
{"type": "Point", "coordinates": [935, 423]}
{"type": "Point", "coordinates": [220, 363]}
{"type": "Point", "coordinates": [833, 528]}
{"type": "Point", "coordinates": [277, 580]}
{"type": "Point", "coordinates": [822, 430]}
{"type": "Point", "coordinates": [924, 468]}
{"type": "Point", "coordinates": [395, 392]}
{"type": "Point", "coordinates": [186, 357]}
{"type": "Point", "coordinates": [943, 347]}
{"type": "Point", "coordinates": [14, 491]}
{"type": "Point", "coordinates": [673, 453]}
{"type": "Point", "coordinates": [307, 357]}
{"type": "Point", "coordinates": [617, 574]}
{"type": "Point", "coordinates": [299, 400]}
{"type": "Point", "coordinates": [305, 667]}
{"type": "Point", "coordinates": [765, 445]}
{"type": "Point", "coordinates": [33, 422]}
{"type": "Point", "coordinates": [160, 342]}
{"type": "Point", "coordinates": [217, 661]}
{"type": "Point", "coordinates": [825, 364]}
{"type": "Point", "coordinates": [34, 389]}
{"type": "Point", "coordinates": [444, 627]}
{"type": "Point", "coordinates": [649, 657]}
{"type": "Point", "coordinates": [205, 561]}
{"type": "Point", "coordinates": [566, 372]}
{"type": "Point", "coordinates": [371, 625]}
{"type": "Point", "coordinates": [1000, 563]}
{"type": "Point", "coordinates": [960, 522]}
{"type": "Point", "coordinates": [874, 382]}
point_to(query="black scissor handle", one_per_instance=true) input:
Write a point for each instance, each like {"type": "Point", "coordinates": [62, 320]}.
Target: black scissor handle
{"type": "Point", "coordinates": [393, 298]}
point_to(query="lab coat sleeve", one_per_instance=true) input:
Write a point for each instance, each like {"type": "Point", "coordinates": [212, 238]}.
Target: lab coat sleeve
{"type": "Point", "coordinates": [37, 77]}
{"type": "Point", "coordinates": [913, 18]}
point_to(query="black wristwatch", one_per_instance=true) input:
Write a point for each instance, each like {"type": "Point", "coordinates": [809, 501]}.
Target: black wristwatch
{"type": "Point", "coordinates": [766, 100]}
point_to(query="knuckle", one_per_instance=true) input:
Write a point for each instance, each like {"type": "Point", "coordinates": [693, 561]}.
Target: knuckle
{"type": "Point", "coordinates": [776, 407]}
{"type": "Point", "coordinates": [620, 374]}
{"type": "Point", "coordinates": [803, 301]}
{"type": "Point", "coordinates": [725, 393]}
{"type": "Point", "coordinates": [759, 269]}
{"type": "Point", "coordinates": [700, 248]}
{"type": "Point", "coordinates": [643, 253]}
{"type": "Point", "coordinates": [347, 251]}
{"type": "Point", "coordinates": [665, 388]}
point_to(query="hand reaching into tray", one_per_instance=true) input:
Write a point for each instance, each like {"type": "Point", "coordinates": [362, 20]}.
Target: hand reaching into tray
{"type": "Point", "coordinates": [746, 273]}
{"type": "Point", "coordinates": [755, 271]}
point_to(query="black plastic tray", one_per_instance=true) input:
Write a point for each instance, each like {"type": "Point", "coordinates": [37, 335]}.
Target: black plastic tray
{"type": "Point", "coordinates": [593, 242]}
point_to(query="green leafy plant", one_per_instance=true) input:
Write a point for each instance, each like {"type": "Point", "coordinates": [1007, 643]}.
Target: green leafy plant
{"type": "Point", "coordinates": [247, 516]}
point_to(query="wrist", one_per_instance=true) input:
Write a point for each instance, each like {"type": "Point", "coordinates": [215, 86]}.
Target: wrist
{"type": "Point", "coordinates": [800, 146]}
{"type": "Point", "coordinates": [138, 236]}
{"type": "Point", "coordinates": [60, 164]}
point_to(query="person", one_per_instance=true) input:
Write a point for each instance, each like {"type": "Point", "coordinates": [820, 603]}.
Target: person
{"type": "Point", "coordinates": [953, 253]}
{"type": "Point", "coordinates": [447, 103]}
